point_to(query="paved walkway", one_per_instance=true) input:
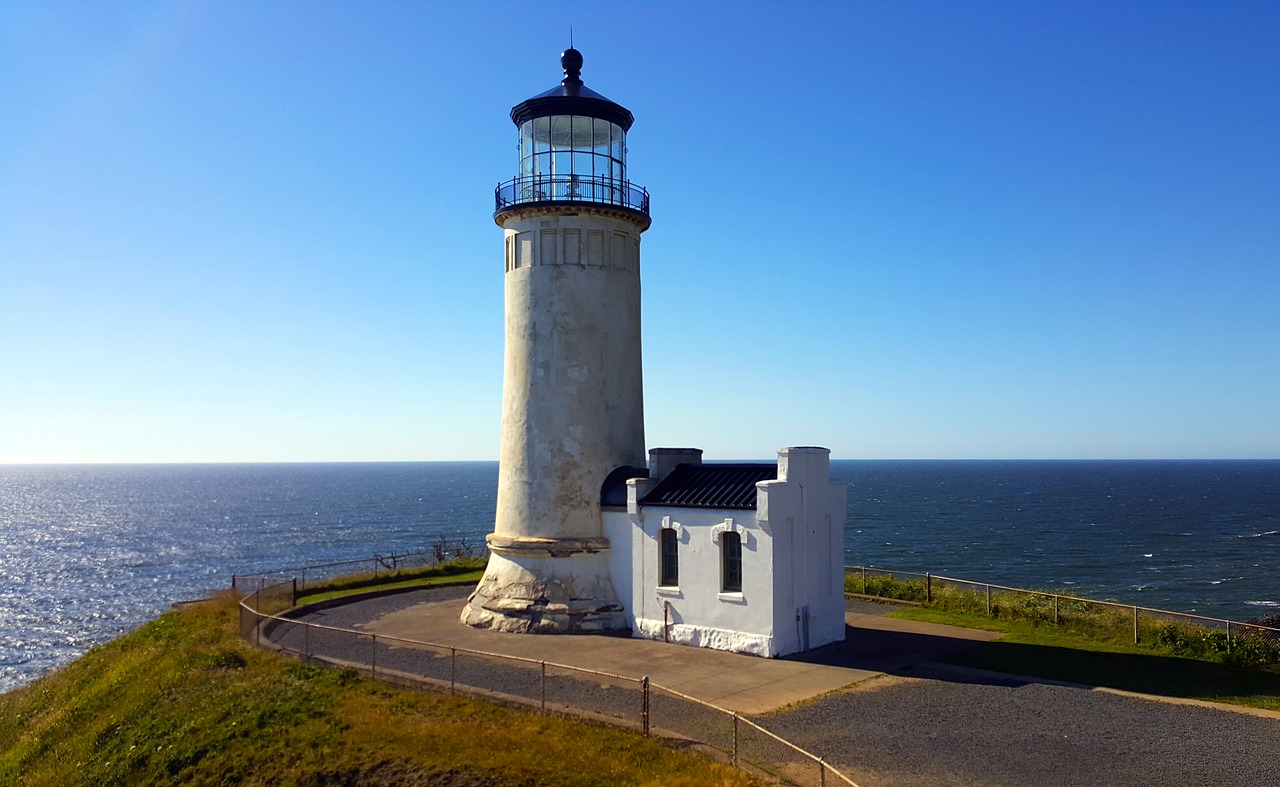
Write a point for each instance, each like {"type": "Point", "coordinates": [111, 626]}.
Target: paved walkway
{"type": "Point", "coordinates": [732, 681]}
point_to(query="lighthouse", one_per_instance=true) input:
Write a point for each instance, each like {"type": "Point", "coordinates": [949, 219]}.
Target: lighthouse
{"type": "Point", "coordinates": [572, 402]}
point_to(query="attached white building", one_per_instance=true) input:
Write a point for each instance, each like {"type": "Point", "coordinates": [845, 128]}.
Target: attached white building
{"type": "Point", "coordinates": [740, 557]}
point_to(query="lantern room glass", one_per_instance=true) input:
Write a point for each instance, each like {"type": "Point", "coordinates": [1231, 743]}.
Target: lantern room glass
{"type": "Point", "coordinates": [573, 145]}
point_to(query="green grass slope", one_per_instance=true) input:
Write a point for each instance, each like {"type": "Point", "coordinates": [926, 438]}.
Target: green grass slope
{"type": "Point", "coordinates": [457, 570]}
{"type": "Point", "coordinates": [183, 700]}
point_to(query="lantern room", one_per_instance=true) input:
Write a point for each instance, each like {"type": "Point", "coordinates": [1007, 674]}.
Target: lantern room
{"type": "Point", "coordinates": [573, 148]}
{"type": "Point", "coordinates": [573, 145]}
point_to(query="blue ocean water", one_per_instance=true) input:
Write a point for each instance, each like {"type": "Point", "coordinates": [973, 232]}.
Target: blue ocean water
{"type": "Point", "coordinates": [92, 551]}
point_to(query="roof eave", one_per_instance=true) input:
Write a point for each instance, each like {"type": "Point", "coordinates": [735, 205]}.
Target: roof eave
{"type": "Point", "coordinates": [548, 105]}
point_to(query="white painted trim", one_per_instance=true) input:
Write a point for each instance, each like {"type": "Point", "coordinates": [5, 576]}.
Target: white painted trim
{"type": "Point", "coordinates": [669, 524]}
{"type": "Point", "coordinates": [727, 526]}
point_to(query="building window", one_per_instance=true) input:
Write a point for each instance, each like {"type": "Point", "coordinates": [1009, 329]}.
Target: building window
{"type": "Point", "coordinates": [669, 564]}
{"type": "Point", "coordinates": [730, 562]}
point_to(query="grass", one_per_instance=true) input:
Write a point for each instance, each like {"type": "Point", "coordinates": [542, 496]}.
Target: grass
{"type": "Point", "coordinates": [1087, 643]}
{"type": "Point", "coordinates": [458, 570]}
{"type": "Point", "coordinates": [183, 699]}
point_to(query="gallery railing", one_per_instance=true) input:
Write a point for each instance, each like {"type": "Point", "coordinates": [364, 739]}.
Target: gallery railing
{"type": "Point", "coordinates": [626, 701]}
{"type": "Point", "coordinates": [571, 188]}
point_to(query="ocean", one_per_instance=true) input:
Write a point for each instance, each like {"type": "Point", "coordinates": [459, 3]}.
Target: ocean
{"type": "Point", "coordinates": [92, 551]}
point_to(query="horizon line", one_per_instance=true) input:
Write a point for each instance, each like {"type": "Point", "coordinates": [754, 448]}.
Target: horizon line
{"type": "Point", "coordinates": [86, 463]}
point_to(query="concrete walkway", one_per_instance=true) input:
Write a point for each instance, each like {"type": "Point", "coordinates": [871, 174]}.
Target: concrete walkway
{"type": "Point", "coordinates": [873, 646]}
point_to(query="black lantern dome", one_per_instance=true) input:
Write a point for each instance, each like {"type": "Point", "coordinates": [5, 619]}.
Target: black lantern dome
{"type": "Point", "coordinates": [573, 148]}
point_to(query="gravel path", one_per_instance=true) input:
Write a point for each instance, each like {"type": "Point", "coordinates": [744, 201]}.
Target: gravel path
{"type": "Point", "coordinates": [931, 731]}
{"type": "Point", "coordinates": [925, 726]}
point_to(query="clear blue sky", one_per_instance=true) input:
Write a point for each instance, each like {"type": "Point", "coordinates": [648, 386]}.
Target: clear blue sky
{"type": "Point", "coordinates": [243, 231]}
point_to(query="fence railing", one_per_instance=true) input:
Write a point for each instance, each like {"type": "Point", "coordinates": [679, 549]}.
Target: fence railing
{"type": "Point", "coordinates": [627, 701]}
{"type": "Point", "coordinates": [313, 573]}
{"type": "Point", "coordinates": [571, 188]}
{"type": "Point", "coordinates": [1145, 622]}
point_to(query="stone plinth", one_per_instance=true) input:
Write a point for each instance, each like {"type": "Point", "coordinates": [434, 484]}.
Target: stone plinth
{"type": "Point", "coordinates": [546, 586]}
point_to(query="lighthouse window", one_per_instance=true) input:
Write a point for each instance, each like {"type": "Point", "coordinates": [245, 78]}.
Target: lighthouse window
{"type": "Point", "coordinates": [575, 157]}
{"type": "Point", "coordinates": [582, 164]}
{"type": "Point", "coordinates": [542, 164]}
{"type": "Point", "coordinates": [541, 134]}
{"type": "Point", "coordinates": [561, 131]}
{"type": "Point", "coordinates": [616, 142]}
{"type": "Point", "coordinates": [669, 562]}
{"type": "Point", "coordinates": [601, 138]}
{"type": "Point", "coordinates": [730, 563]}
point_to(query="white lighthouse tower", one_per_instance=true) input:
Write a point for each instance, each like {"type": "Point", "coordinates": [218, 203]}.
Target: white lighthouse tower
{"type": "Point", "coordinates": [573, 409]}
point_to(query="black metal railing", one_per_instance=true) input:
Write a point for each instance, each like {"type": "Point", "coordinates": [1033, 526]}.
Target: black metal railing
{"type": "Point", "coordinates": [571, 188]}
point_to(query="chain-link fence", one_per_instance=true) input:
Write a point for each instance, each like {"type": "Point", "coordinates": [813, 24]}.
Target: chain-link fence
{"type": "Point", "coordinates": [1183, 633]}
{"type": "Point", "coordinates": [601, 696]}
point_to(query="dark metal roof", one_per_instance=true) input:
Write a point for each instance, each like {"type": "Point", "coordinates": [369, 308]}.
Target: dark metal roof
{"type": "Point", "coordinates": [613, 492]}
{"type": "Point", "coordinates": [711, 486]}
{"type": "Point", "coordinates": [571, 97]}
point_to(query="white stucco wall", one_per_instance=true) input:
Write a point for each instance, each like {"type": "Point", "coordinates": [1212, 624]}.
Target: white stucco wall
{"type": "Point", "coordinates": [805, 511]}
{"type": "Point", "coordinates": [792, 563]}
{"type": "Point", "coordinates": [572, 411]}
{"type": "Point", "coordinates": [696, 612]}
{"type": "Point", "coordinates": [572, 390]}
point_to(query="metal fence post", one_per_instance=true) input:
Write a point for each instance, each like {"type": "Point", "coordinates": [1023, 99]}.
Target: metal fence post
{"type": "Point", "coordinates": [1135, 625]}
{"type": "Point", "coordinates": [988, 599]}
{"type": "Point", "coordinates": [293, 597]}
{"type": "Point", "coordinates": [735, 739]}
{"type": "Point", "coordinates": [822, 772]}
{"type": "Point", "coordinates": [453, 669]}
{"type": "Point", "coordinates": [233, 581]}
{"type": "Point", "coordinates": [306, 640]}
{"type": "Point", "coordinates": [864, 580]}
{"type": "Point", "coordinates": [373, 660]}
{"type": "Point", "coordinates": [544, 687]}
{"type": "Point", "coordinates": [1228, 636]}
{"type": "Point", "coordinates": [644, 705]}
{"type": "Point", "coordinates": [1055, 609]}
{"type": "Point", "coordinates": [928, 588]}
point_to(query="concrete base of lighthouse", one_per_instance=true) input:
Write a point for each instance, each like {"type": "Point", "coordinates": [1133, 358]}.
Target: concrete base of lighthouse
{"type": "Point", "coordinates": [546, 586]}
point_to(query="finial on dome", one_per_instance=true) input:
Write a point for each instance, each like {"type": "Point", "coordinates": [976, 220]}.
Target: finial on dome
{"type": "Point", "coordinates": [571, 61]}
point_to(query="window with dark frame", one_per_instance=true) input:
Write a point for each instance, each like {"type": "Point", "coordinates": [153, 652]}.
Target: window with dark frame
{"type": "Point", "coordinates": [669, 565]}
{"type": "Point", "coordinates": [730, 563]}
